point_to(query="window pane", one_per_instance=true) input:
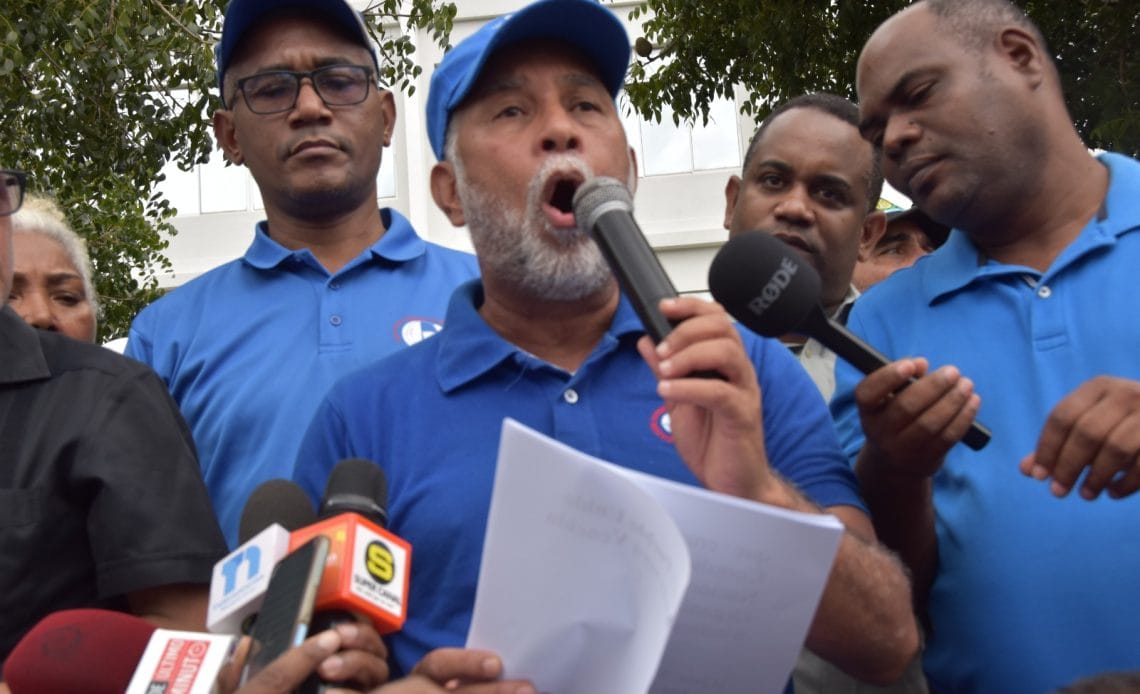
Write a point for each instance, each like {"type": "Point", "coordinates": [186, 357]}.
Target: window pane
{"type": "Point", "coordinates": [224, 188]}
{"type": "Point", "coordinates": [717, 145]}
{"type": "Point", "coordinates": [666, 147]}
{"type": "Point", "coordinates": [180, 188]}
{"type": "Point", "coordinates": [386, 178]}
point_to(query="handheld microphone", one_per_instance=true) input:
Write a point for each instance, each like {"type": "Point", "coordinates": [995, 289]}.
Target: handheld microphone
{"type": "Point", "coordinates": [240, 579]}
{"type": "Point", "coordinates": [768, 288]}
{"type": "Point", "coordinates": [603, 207]}
{"type": "Point", "coordinates": [368, 567]}
{"type": "Point", "coordinates": [106, 652]}
{"type": "Point", "coordinates": [85, 650]}
{"type": "Point", "coordinates": [181, 662]}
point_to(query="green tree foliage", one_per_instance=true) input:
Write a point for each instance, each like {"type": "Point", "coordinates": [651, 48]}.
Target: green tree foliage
{"type": "Point", "coordinates": [89, 90]}
{"type": "Point", "coordinates": [694, 51]}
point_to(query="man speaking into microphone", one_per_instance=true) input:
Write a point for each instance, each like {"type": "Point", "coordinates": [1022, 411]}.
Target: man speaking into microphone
{"type": "Point", "coordinates": [520, 115]}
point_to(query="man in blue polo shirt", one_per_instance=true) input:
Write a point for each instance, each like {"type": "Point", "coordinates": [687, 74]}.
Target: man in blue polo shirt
{"type": "Point", "coordinates": [520, 114]}
{"type": "Point", "coordinates": [1025, 555]}
{"type": "Point", "coordinates": [330, 282]}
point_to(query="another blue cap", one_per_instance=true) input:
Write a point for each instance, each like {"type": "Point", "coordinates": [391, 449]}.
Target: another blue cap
{"type": "Point", "coordinates": [243, 15]}
{"type": "Point", "coordinates": [584, 24]}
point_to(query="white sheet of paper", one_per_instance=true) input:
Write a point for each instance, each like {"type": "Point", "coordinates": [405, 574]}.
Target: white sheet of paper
{"type": "Point", "coordinates": [582, 572]}
{"type": "Point", "coordinates": [585, 579]}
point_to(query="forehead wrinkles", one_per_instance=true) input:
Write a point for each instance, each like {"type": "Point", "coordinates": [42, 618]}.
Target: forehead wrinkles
{"type": "Point", "coordinates": [813, 141]}
{"type": "Point", "coordinates": [503, 79]}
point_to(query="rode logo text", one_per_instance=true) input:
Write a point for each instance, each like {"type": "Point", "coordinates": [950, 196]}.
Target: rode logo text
{"type": "Point", "coordinates": [775, 286]}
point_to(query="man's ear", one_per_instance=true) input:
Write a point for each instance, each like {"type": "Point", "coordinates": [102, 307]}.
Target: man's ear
{"type": "Point", "coordinates": [633, 169]}
{"type": "Point", "coordinates": [226, 136]}
{"type": "Point", "coordinates": [387, 114]}
{"type": "Point", "coordinates": [874, 226]}
{"type": "Point", "coordinates": [445, 192]}
{"type": "Point", "coordinates": [731, 190]}
{"type": "Point", "coordinates": [1021, 51]}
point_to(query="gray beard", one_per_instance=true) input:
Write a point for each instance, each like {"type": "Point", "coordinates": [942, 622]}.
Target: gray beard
{"type": "Point", "coordinates": [516, 245]}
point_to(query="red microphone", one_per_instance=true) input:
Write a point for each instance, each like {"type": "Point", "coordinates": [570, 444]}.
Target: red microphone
{"type": "Point", "coordinates": [84, 650]}
{"type": "Point", "coordinates": [104, 652]}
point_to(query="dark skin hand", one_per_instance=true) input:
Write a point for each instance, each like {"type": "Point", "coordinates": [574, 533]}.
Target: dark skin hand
{"type": "Point", "coordinates": [1094, 428]}
{"type": "Point", "coordinates": [467, 671]}
{"type": "Point", "coordinates": [355, 653]}
{"type": "Point", "coordinates": [911, 431]}
{"type": "Point", "coordinates": [349, 653]}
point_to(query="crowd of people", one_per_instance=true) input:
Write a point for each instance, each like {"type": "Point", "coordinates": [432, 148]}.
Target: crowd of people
{"type": "Point", "coordinates": [123, 478]}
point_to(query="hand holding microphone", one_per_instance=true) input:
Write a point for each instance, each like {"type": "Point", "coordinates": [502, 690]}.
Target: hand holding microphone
{"type": "Point", "coordinates": [604, 208]}
{"type": "Point", "coordinates": [770, 290]}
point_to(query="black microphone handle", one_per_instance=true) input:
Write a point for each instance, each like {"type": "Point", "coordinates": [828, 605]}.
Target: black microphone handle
{"type": "Point", "coordinates": [637, 268]}
{"type": "Point", "coordinates": [323, 621]}
{"type": "Point", "coordinates": [849, 347]}
{"type": "Point", "coordinates": [639, 273]}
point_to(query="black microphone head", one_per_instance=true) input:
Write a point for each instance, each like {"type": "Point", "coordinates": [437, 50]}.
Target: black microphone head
{"type": "Point", "coordinates": [275, 501]}
{"type": "Point", "coordinates": [597, 196]}
{"type": "Point", "coordinates": [356, 486]}
{"type": "Point", "coordinates": [764, 284]}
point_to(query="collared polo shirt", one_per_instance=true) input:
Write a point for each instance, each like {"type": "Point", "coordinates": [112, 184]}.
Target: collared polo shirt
{"type": "Point", "coordinates": [249, 348]}
{"type": "Point", "coordinates": [431, 416]}
{"type": "Point", "coordinates": [1032, 592]}
{"type": "Point", "coordinates": [100, 493]}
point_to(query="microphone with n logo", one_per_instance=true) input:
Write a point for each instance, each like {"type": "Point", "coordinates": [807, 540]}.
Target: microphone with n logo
{"type": "Point", "coordinates": [240, 578]}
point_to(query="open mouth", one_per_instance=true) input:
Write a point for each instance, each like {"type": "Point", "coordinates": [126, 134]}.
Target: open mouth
{"type": "Point", "coordinates": [562, 196]}
{"type": "Point", "coordinates": [559, 197]}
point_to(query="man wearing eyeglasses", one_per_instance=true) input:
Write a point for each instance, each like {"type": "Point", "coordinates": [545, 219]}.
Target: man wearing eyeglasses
{"type": "Point", "coordinates": [101, 503]}
{"type": "Point", "coordinates": [330, 281]}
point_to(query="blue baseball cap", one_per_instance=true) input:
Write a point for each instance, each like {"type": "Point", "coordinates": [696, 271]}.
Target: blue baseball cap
{"type": "Point", "coordinates": [584, 24]}
{"type": "Point", "coordinates": [243, 15]}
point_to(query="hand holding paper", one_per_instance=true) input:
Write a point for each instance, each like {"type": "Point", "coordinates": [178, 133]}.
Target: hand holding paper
{"type": "Point", "coordinates": [592, 573]}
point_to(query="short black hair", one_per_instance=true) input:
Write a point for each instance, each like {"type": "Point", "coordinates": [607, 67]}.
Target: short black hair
{"type": "Point", "coordinates": [838, 107]}
{"type": "Point", "coordinates": [973, 22]}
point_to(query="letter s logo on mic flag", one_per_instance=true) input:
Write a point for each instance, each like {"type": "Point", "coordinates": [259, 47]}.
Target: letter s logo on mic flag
{"type": "Point", "coordinates": [368, 567]}
{"type": "Point", "coordinates": [381, 564]}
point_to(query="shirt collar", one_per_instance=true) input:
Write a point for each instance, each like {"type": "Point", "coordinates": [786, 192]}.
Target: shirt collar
{"type": "Point", "coordinates": [399, 243]}
{"type": "Point", "coordinates": [955, 264]}
{"type": "Point", "coordinates": [21, 357]}
{"type": "Point", "coordinates": [469, 348]}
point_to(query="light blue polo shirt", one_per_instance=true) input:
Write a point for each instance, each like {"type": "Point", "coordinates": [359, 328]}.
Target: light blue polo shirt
{"type": "Point", "coordinates": [249, 349]}
{"type": "Point", "coordinates": [1032, 592]}
{"type": "Point", "coordinates": [431, 416]}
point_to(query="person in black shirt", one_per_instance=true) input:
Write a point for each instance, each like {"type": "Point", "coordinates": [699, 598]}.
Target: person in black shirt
{"type": "Point", "coordinates": [101, 499]}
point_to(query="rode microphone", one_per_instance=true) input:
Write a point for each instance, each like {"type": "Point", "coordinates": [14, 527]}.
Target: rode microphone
{"type": "Point", "coordinates": [368, 567]}
{"type": "Point", "coordinates": [105, 652]}
{"type": "Point", "coordinates": [766, 286]}
{"type": "Point", "coordinates": [237, 588]}
{"type": "Point", "coordinates": [603, 207]}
